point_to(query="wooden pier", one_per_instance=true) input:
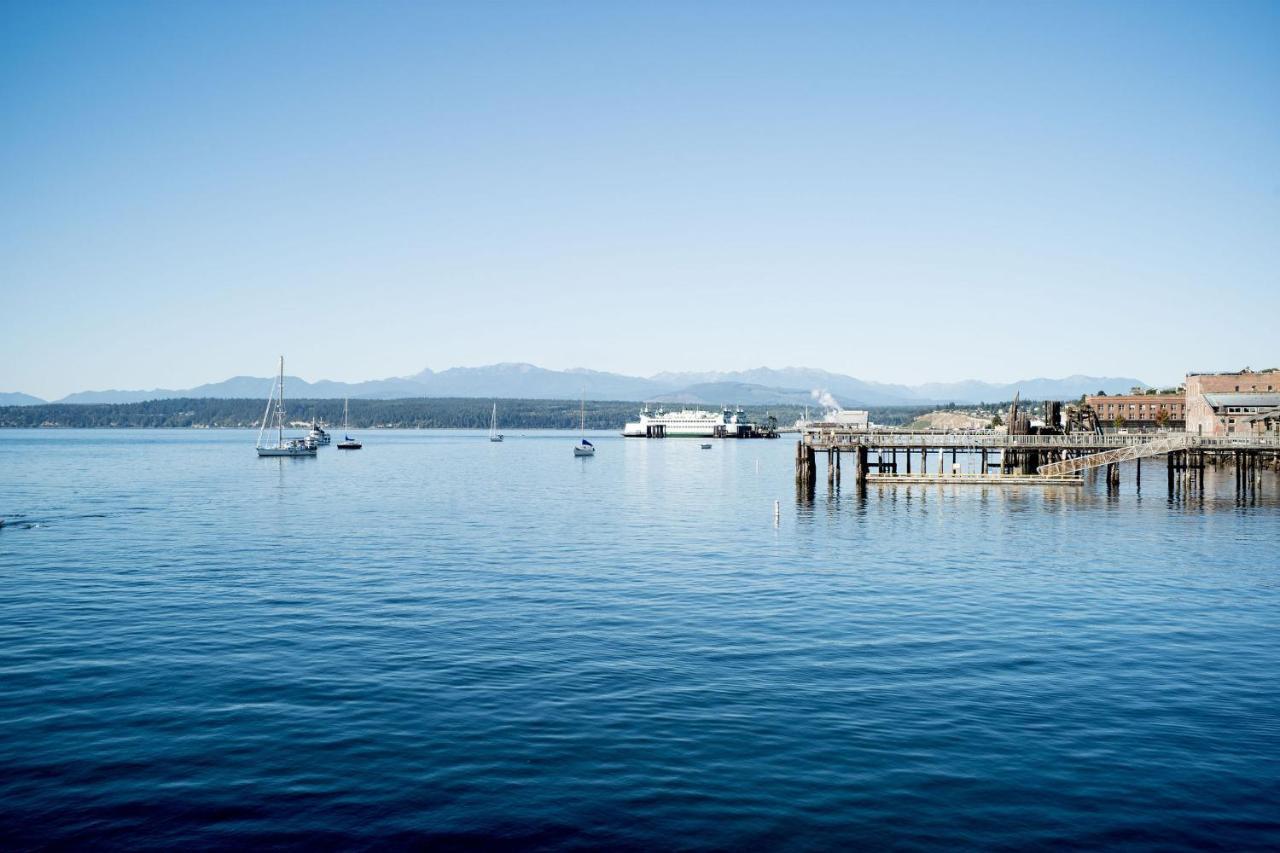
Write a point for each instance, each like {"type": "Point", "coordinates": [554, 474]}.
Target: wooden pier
{"type": "Point", "coordinates": [972, 479]}
{"type": "Point", "coordinates": [889, 456]}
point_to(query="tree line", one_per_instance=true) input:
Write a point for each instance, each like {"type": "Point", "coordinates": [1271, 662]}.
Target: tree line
{"type": "Point", "coordinates": [411, 413]}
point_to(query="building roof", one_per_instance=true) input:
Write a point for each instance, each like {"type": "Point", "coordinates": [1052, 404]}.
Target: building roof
{"type": "Point", "coordinates": [1220, 400]}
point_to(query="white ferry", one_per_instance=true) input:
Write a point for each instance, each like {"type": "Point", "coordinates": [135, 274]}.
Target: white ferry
{"type": "Point", "coordinates": [690, 423]}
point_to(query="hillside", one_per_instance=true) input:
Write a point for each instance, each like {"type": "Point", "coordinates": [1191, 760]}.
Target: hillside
{"type": "Point", "coordinates": [950, 421]}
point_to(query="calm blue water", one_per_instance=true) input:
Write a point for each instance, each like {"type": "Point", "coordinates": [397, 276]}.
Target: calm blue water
{"type": "Point", "coordinates": [439, 640]}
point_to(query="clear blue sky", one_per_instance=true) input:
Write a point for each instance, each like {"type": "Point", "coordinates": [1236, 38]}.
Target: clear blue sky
{"type": "Point", "coordinates": [903, 192]}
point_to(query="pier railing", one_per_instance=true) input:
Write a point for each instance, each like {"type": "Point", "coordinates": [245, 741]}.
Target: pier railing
{"type": "Point", "coordinates": [827, 439]}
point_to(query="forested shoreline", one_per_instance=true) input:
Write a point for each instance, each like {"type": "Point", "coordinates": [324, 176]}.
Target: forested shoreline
{"type": "Point", "coordinates": [410, 413]}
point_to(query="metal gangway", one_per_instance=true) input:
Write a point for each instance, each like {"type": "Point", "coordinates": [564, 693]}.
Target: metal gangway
{"type": "Point", "coordinates": [1155, 447]}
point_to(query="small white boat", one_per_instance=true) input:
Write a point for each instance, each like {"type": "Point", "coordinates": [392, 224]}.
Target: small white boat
{"type": "Point", "coordinates": [584, 447]}
{"type": "Point", "coordinates": [291, 447]}
{"type": "Point", "coordinates": [494, 435]}
{"type": "Point", "coordinates": [318, 435]}
{"type": "Point", "coordinates": [347, 443]}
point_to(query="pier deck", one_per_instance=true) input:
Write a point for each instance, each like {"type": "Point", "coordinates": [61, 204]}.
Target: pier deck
{"type": "Point", "coordinates": [887, 456]}
{"type": "Point", "coordinates": [825, 439]}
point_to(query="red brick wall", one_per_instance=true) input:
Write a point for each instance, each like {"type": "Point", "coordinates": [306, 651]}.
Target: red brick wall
{"type": "Point", "coordinates": [1137, 409]}
{"type": "Point", "coordinates": [1200, 414]}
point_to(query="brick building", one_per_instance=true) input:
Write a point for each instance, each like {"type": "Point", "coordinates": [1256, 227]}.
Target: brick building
{"type": "Point", "coordinates": [1229, 403]}
{"type": "Point", "coordinates": [1140, 411]}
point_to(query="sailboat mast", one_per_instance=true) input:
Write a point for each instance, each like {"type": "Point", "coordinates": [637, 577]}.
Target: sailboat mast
{"type": "Point", "coordinates": [280, 409]}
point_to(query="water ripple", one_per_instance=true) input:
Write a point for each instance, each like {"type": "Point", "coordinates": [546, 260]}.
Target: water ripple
{"type": "Point", "coordinates": [444, 642]}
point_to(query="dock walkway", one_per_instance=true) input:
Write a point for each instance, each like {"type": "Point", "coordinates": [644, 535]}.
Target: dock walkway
{"type": "Point", "coordinates": [974, 479]}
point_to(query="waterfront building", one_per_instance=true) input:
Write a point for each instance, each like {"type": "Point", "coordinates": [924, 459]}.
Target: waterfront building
{"type": "Point", "coordinates": [1140, 411]}
{"type": "Point", "coordinates": [1233, 403]}
{"type": "Point", "coordinates": [847, 418]}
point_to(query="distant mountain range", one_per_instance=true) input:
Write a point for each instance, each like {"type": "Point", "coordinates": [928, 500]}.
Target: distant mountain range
{"type": "Point", "coordinates": [763, 385]}
{"type": "Point", "coordinates": [13, 398]}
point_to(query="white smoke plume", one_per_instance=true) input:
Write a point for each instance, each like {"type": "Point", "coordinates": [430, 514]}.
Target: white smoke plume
{"type": "Point", "coordinates": [825, 400]}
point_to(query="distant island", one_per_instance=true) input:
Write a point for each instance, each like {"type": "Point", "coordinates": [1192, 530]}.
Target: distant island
{"type": "Point", "coordinates": [415, 413]}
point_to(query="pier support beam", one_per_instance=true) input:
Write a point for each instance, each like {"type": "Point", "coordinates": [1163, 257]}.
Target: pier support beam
{"type": "Point", "coordinates": [806, 469]}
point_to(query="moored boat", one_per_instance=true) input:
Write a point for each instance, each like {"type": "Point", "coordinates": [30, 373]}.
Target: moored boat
{"type": "Point", "coordinates": [584, 447]}
{"type": "Point", "coordinates": [287, 447]}
{"type": "Point", "coordinates": [291, 447]}
{"type": "Point", "coordinates": [347, 443]}
{"type": "Point", "coordinates": [318, 435]}
{"type": "Point", "coordinates": [494, 435]}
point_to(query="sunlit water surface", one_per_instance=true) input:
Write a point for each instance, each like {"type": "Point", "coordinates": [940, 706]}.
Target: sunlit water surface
{"type": "Point", "coordinates": [438, 639]}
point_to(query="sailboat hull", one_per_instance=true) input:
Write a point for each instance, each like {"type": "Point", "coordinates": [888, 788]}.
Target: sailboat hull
{"type": "Point", "coordinates": [287, 451]}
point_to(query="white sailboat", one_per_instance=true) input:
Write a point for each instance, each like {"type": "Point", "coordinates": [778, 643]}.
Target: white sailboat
{"type": "Point", "coordinates": [347, 443]}
{"type": "Point", "coordinates": [293, 447]}
{"type": "Point", "coordinates": [494, 435]}
{"type": "Point", "coordinates": [584, 447]}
